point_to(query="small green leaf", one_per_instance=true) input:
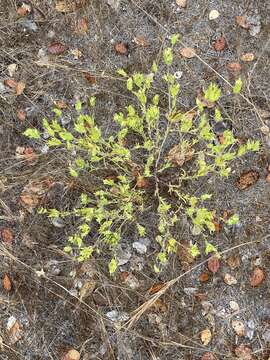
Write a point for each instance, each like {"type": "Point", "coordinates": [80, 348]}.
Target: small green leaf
{"type": "Point", "coordinates": [233, 220]}
{"type": "Point", "coordinates": [237, 86]}
{"type": "Point", "coordinates": [174, 39]}
{"type": "Point", "coordinates": [112, 266]}
{"type": "Point", "coordinates": [73, 172]}
{"type": "Point", "coordinates": [121, 72]}
{"type": "Point", "coordinates": [168, 56]}
{"type": "Point", "coordinates": [212, 93]}
{"type": "Point", "coordinates": [154, 67]}
{"type": "Point", "coordinates": [78, 106]}
{"type": "Point", "coordinates": [194, 250]}
{"type": "Point", "coordinates": [32, 133]}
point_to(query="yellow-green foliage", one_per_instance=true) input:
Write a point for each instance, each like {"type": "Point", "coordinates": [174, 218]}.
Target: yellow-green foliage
{"type": "Point", "coordinates": [103, 213]}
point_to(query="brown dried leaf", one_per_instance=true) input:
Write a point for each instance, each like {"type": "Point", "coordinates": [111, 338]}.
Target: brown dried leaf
{"type": "Point", "coordinates": [7, 236]}
{"type": "Point", "coordinates": [220, 43]}
{"type": "Point", "coordinates": [11, 83]}
{"type": "Point", "coordinates": [188, 52]}
{"type": "Point", "coordinates": [179, 154]}
{"type": "Point", "coordinates": [121, 48]}
{"type": "Point", "coordinates": [257, 277]}
{"type": "Point", "coordinates": [242, 21]}
{"type": "Point", "coordinates": [56, 48]}
{"type": "Point", "coordinates": [248, 57]}
{"type": "Point", "coordinates": [14, 330]}
{"type": "Point", "coordinates": [206, 336]}
{"type": "Point", "coordinates": [142, 182]}
{"type": "Point", "coordinates": [239, 327]}
{"type": "Point", "coordinates": [247, 179]}
{"type": "Point", "coordinates": [21, 115]}
{"type": "Point", "coordinates": [213, 264]}
{"type": "Point", "coordinates": [66, 6]}
{"type": "Point", "coordinates": [184, 254]}
{"type": "Point", "coordinates": [141, 41]}
{"type": "Point", "coordinates": [181, 3]}
{"type": "Point", "coordinates": [204, 277]}
{"type": "Point", "coordinates": [243, 352]}
{"type": "Point", "coordinates": [12, 69]}
{"type": "Point", "coordinates": [76, 53]}
{"type": "Point", "coordinates": [229, 279]}
{"type": "Point", "coordinates": [155, 288]}
{"type": "Point", "coordinates": [7, 283]}
{"type": "Point", "coordinates": [208, 356]}
{"type": "Point", "coordinates": [87, 289]}
{"type": "Point", "coordinates": [24, 10]}
{"type": "Point", "coordinates": [72, 355]}
{"type": "Point", "coordinates": [82, 25]}
{"type": "Point", "coordinates": [20, 87]}
{"type": "Point", "coordinates": [90, 78]}
{"type": "Point", "coordinates": [159, 306]}
{"type": "Point", "coordinates": [234, 67]}
{"type": "Point", "coordinates": [233, 261]}
{"type": "Point", "coordinates": [61, 104]}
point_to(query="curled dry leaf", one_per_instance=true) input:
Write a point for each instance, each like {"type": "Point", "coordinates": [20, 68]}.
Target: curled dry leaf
{"type": "Point", "coordinates": [20, 87]}
{"type": "Point", "coordinates": [206, 336]}
{"type": "Point", "coordinates": [242, 21]}
{"type": "Point", "coordinates": [66, 6]}
{"type": "Point", "coordinates": [155, 288]}
{"type": "Point", "coordinates": [25, 153]}
{"type": "Point", "coordinates": [121, 48]}
{"type": "Point", "coordinates": [7, 236]}
{"type": "Point", "coordinates": [257, 277]}
{"type": "Point", "coordinates": [243, 352]}
{"type": "Point", "coordinates": [76, 53]}
{"type": "Point", "coordinates": [248, 57]}
{"type": "Point", "coordinates": [21, 115]}
{"type": "Point", "coordinates": [220, 43]}
{"type": "Point", "coordinates": [87, 289]}
{"type": "Point", "coordinates": [229, 279]}
{"type": "Point", "coordinates": [247, 179]}
{"type": "Point", "coordinates": [24, 9]}
{"type": "Point", "coordinates": [12, 69]}
{"type": "Point", "coordinates": [61, 104]}
{"type": "Point", "coordinates": [14, 330]}
{"type": "Point", "coordinates": [159, 306]}
{"type": "Point", "coordinates": [213, 264]}
{"type": "Point", "coordinates": [11, 83]}
{"type": "Point", "coordinates": [90, 78]}
{"type": "Point", "coordinates": [234, 67]}
{"type": "Point", "coordinates": [184, 255]}
{"type": "Point", "coordinates": [188, 52]}
{"type": "Point", "coordinates": [142, 182]}
{"type": "Point", "coordinates": [179, 154]}
{"type": "Point", "coordinates": [208, 356]}
{"type": "Point", "coordinates": [72, 355]}
{"type": "Point", "coordinates": [234, 306]}
{"type": "Point", "coordinates": [233, 261]}
{"type": "Point", "coordinates": [56, 48]}
{"type": "Point", "coordinates": [204, 277]}
{"type": "Point", "coordinates": [7, 282]}
{"type": "Point", "coordinates": [214, 14]}
{"type": "Point", "coordinates": [181, 3]}
{"type": "Point", "coordinates": [141, 41]}
{"type": "Point", "coordinates": [82, 25]}
{"type": "Point", "coordinates": [239, 327]}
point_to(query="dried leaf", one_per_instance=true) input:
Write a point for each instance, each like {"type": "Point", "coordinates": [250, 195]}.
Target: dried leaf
{"type": "Point", "coordinates": [14, 330]}
{"type": "Point", "coordinates": [90, 78]}
{"type": "Point", "coordinates": [242, 21]}
{"type": "Point", "coordinates": [20, 87]}
{"type": "Point", "coordinates": [208, 356]}
{"type": "Point", "coordinates": [11, 83]}
{"type": "Point", "coordinates": [257, 277]}
{"type": "Point", "coordinates": [247, 179]}
{"type": "Point", "coordinates": [179, 154]}
{"type": "Point", "coordinates": [66, 6]}
{"type": "Point", "coordinates": [185, 256]}
{"type": "Point", "coordinates": [87, 289]}
{"type": "Point", "coordinates": [181, 3]}
{"type": "Point", "coordinates": [24, 9]}
{"type": "Point", "coordinates": [82, 25]}
{"type": "Point", "coordinates": [141, 41]}
{"type": "Point", "coordinates": [72, 355]}
{"type": "Point", "coordinates": [56, 48]}
{"type": "Point", "coordinates": [188, 52]}
{"type": "Point", "coordinates": [213, 15]}
{"type": "Point", "coordinates": [204, 277]}
{"type": "Point", "coordinates": [12, 69]}
{"type": "Point", "coordinates": [21, 115]}
{"type": "Point", "coordinates": [206, 336]}
{"type": "Point", "coordinates": [121, 48]}
{"type": "Point", "coordinates": [7, 283]}
{"type": "Point", "coordinates": [159, 306]}
{"type": "Point", "coordinates": [76, 53]}
{"type": "Point", "coordinates": [243, 352]}
{"type": "Point", "coordinates": [248, 57]}
{"type": "Point", "coordinates": [61, 104]}
{"type": "Point", "coordinates": [234, 67]}
{"type": "Point", "coordinates": [229, 279]}
{"type": "Point", "coordinates": [142, 182]}
{"type": "Point", "coordinates": [155, 288]}
{"type": "Point", "coordinates": [213, 264]}
{"type": "Point", "coordinates": [234, 306]}
{"type": "Point", "coordinates": [220, 43]}
{"type": "Point", "coordinates": [7, 236]}
{"type": "Point", "coordinates": [239, 327]}
{"type": "Point", "coordinates": [233, 261]}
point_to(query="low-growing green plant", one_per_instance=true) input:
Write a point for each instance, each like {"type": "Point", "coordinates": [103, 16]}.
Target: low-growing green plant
{"type": "Point", "coordinates": [136, 158]}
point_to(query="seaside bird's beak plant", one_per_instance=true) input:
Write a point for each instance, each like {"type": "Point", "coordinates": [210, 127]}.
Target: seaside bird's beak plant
{"type": "Point", "coordinates": [121, 199]}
